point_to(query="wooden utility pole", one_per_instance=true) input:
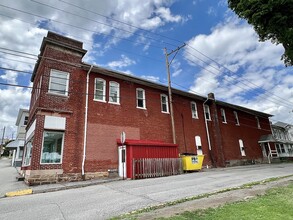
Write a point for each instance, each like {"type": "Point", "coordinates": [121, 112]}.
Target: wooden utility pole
{"type": "Point", "coordinates": [169, 88]}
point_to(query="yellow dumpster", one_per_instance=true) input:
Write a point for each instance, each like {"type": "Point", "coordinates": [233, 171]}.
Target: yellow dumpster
{"type": "Point", "coordinates": [191, 162]}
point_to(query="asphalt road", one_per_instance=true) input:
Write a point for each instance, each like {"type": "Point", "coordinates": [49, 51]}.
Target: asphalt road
{"type": "Point", "coordinates": [115, 198]}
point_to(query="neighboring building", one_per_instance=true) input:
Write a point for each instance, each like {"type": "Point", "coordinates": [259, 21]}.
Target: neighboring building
{"type": "Point", "coordinates": [279, 144]}
{"type": "Point", "coordinates": [18, 143]}
{"type": "Point", "coordinates": [78, 112]}
{"type": "Point", "coordinates": [284, 141]}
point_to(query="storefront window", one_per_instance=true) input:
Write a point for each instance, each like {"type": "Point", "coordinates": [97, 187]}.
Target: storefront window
{"type": "Point", "coordinates": [52, 147]}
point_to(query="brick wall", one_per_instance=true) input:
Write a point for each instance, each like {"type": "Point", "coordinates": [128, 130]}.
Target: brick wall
{"type": "Point", "coordinates": [106, 121]}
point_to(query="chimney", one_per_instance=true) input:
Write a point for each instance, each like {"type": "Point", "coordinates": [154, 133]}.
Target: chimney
{"type": "Point", "coordinates": [211, 96]}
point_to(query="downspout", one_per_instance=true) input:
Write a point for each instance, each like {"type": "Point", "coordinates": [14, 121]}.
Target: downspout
{"type": "Point", "coordinates": [206, 124]}
{"type": "Point", "coordinates": [208, 134]}
{"type": "Point", "coordinates": [85, 122]}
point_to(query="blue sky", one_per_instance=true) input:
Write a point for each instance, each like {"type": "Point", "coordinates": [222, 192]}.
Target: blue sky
{"type": "Point", "coordinates": [222, 55]}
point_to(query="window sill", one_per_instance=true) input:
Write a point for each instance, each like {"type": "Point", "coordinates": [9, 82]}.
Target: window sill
{"type": "Point", "coordinates": [114, 103]}
{"type": "Point", "coordinates": [224, 122]}
{"type": "Point", "coordinates": [141, 108]}
{"type": "Point", "coordinates": [194, 117]}
{"type": "Point", "coordinates": [237, 124]}
{"type": "Point", "coordinates": [96, 100]}
{"type": "Point", "coordinates": [57, 94]}
{"type": "Point", "coordinates": [50, 163]}
{"type": "Point", "coordinates": [165, 112]}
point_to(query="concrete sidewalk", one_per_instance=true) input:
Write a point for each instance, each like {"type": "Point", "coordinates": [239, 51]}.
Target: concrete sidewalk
{"type": "Point", "coordinates": [8, 181]}
{"type": "Point", "coordinates": [9, 186]}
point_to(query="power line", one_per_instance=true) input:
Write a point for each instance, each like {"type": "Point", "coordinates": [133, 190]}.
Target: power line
{"type": "Point", "coordinates": [135, 42]}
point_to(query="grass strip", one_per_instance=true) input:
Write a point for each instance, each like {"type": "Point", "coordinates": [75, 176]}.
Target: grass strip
{"type": "Point", "coordinates": [133, 214]}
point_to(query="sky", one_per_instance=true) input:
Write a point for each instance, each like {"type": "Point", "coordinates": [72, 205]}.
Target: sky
{"type": "Point", "coordinates": [222, 54]}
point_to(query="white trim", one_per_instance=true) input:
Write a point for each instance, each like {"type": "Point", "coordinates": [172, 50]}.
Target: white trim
{"type": "Point", "coordinates": [104, 90]}
{"type": "Point", "coordinates": [118, 92]}
{"type": "Point", "coordinates": [55, 123]}
{"type": "Point", "coordinates": [194, 114]}
{"type": "Point", "coordinates": [242, 149]}
{"type": "Point", "coordinates": [30, 131]}
{"type": "Point", "coordinates": [166, 103]}
{"type": "Point", "coordinates": [223, 114]}
{"type": "Point", "coordinates": [198, 145]}
{"type": "Point", "coordinates": [143, 98]}
{"type": "Point", "coordinates": [206, 109]}
{"type": "Point", "coordinates": [62, 146]}
{"type": "Point", "coordinates": [52, 71]}
{"type": "Point", "coordinates": [236, 118]}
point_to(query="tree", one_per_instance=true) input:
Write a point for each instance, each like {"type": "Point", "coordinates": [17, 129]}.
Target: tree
{"type": "Point", "coordinates": [271, 19]}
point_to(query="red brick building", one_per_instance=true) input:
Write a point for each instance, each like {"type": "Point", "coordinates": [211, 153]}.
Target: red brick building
{"type": "Point", "coordinates": [78, 111]}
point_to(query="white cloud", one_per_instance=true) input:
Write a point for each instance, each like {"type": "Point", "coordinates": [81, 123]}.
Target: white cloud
{"type": "Point", "coordinates": [257, 79]}
{"type": "Point", "coordinates": [166, 15]}
{"type": "Point", "coordinates": [123, 62]}
{"type": "Point", "coordinates": [151, 78]}
{"type": "Point", "coordinates": [175, 67]}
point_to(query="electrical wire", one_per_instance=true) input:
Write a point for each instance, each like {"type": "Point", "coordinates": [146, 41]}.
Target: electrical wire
{"type": "Point", "coordinates": [144, 44]}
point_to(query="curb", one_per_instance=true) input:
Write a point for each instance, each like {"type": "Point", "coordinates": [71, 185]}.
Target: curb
{"type": "Point", "coordinates": [19, 193]}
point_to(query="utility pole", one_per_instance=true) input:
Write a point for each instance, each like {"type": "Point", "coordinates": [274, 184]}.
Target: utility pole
{"type": "Point", "coordinates": [169, 87]}
{"type": "Point", "coordinates": [3, 136]}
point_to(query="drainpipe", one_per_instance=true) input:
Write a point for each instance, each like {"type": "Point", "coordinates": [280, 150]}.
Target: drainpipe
{"type": "Point", "coordinates": [206, 124]}
{"type": "Point", "coordinates": [85, 122]}
{"type": "Point", "coordinates": [208, 134]}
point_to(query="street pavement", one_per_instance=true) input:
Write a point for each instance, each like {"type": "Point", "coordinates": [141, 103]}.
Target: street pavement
{"type": "Point", "coordinates": [114, 198]}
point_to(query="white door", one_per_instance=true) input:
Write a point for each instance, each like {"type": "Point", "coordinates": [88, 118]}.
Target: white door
{"type": "Point", "coordinates": [122, 161]}
{"type": "Point", "coordinates": [198, 145]}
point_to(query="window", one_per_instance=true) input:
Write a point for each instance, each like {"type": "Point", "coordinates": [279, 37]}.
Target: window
{"type": "Point", "coordinates": [223, 115]}
{"type": "Point", "coordinates": [58, 82]}
{"type": "Point", "coordinates": [198, 145]}
{"type": "Point", "coordinates": [242, 150]}
{"type": "Point", "coordinates": [20, 153]}
{"type": "Point", "coordinates": [52, 147]}
{"type": "Point", "coordinates": [25, 120]}
{"type": "Point", "coordinates": [28, 153]}
{"type": "Point", "coordinates": [207, 112]}
{"type": "Point", "coordinates": [194, 110]}
{"type": "Point", "coordinates": [236, 118]}
{"type": "Point", "coordinates": [257, 122]}
{"type": "Point", "coordinates": [140, 98]}
{"type": "Point", "coordinates": [164, 103]}
{"type": "Point", "coordinates": [100, 90]}
{"type": "Point", "coordinates": [114, 96]}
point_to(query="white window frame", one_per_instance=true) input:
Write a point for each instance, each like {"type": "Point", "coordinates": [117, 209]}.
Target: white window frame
{"type": "Point", "coordinates": [207, 112]}
{"type": "Point", "coordinates": [236, 118]}
{"type": "Point", "coordinates": [115, 85]}
{"type": "Point", "coordinates": [242, 149]}
{"type": "Point", "coordinates": [62, 147]}
{"type": "Point", "coordinates": [52, 91]}
{"type": "Point", "coordinates": [140, 98]}
{"type": "Point", "coordinates": [257, 122]}
{"type": "Point", "coordinates": [194, 113]}
{"type": "Point", "coordinates": [104, 90]}
{"type": "Point", "coordinates": [223, 116]}
{"type": "Point", "coordinates": [166, 103]}
{"type": "Point", "coordinates": [27, 153]}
